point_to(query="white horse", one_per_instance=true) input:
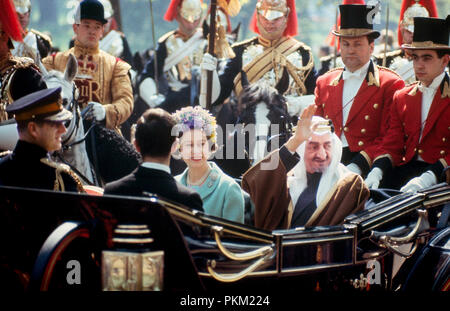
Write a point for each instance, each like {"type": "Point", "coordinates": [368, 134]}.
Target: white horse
{"type": "Point", "coordinates": [74, 148]}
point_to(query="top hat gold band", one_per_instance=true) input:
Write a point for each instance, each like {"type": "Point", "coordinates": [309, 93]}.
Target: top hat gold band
{"type": "Point", "coordinates": [41, 110]}
{"type": "Point", "coordinates": [353, 32]}
{"type": "Point", "coordinates": [428, 44]}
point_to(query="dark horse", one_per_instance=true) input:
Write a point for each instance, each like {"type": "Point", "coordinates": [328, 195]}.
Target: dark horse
{"type": "Point", "coordinates": [262, 124]}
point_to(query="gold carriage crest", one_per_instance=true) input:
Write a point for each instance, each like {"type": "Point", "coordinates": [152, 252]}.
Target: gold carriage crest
{"type": "Point", "coordinates": [132, 267]}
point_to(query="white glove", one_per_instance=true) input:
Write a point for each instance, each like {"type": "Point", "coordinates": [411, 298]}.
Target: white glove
{"type": "Point", "coordinates": [209, 63]}
{"type": "Point", "coordinates": [354, 168]}
{"type": "Point", "coordinates": [98, 111]}
{"type": "Point", "coordinates": [425, 180]}
{"type": "Point", "coordinates": [374, 177]}
{"type": "Point", "coordinates": [296, 104]}
{"type": "Point", "coordinates": [147, 91]}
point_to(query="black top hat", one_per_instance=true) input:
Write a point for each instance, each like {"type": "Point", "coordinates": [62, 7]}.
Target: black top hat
{"type": "Point", "coordinates": [355, 21]}
{"type": "Point", "coordinates": [430, 34]}
{"type": "Point", "coordinates": [41, 105]}
{"type": "Point", "coordinates": [90, 9]}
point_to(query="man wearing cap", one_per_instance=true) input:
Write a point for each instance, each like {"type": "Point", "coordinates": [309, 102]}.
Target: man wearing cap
{"type": "Point", "coordinates": [417, 143]}
{"type": "Point", "coordinates": [266, 56]}
{"type": "Point", "coordinates": [19, 76]}
{"type": "Point", "coordinates": [35, 45]}
{"type": "Point", "coordinates": [40, 120]}
{"type": "Point", "coordinates": [357, 98]}
{"type": "Point", "coordinates": [400, 60]}
{"type": "Point", "coordinates": [320, 192]}
{"type": "Point", "coordinates": [178, 56]}
{"type": "Point", "coordinates": [103, 80]}
{"type": "Point", "coordinates": [113, 41]}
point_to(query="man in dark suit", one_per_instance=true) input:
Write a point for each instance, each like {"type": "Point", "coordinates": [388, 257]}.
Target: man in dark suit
{"type": "Point", "coordinates": [155, 142]}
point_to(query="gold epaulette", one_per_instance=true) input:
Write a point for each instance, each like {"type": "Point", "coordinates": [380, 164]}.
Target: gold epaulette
{"type": "Point", "coordinates": [413, 91]}
{"type": "Point", "coordinates": [305, 46]}
{"type": "Point", "coordinates": [23, 62]}
{"type": "Point", "coordinates": [43, 36]}
{"type": "Point", "coordinates": [5, 153]}
{"type": "Point", "coordinates": [62, 168]}
{"type": "Point", "coordinates": [244, 42]}
{"type": "Point", "coordinates": [165, 36]}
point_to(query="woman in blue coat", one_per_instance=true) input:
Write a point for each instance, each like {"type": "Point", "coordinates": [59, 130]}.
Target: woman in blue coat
{"type": "Point", "coordinates": [221, 195]}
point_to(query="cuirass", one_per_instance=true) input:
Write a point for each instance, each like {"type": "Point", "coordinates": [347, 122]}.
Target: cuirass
{"type": "Point", "coordinates": [273, 75]}
{"type": "Point", "coordinates": [183, 71]}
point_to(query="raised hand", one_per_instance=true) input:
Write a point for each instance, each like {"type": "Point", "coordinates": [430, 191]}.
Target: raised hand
{"type": "Point", "coordinates": [305, 128]}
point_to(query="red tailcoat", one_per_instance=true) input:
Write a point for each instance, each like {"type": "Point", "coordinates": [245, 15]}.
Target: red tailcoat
{"type": "Point", "coordinates": [402, 142]}
{"type": "Point", "coordinates": [367, 121]}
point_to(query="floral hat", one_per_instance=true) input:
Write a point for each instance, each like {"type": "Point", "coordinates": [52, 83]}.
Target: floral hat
{"type": "Point", "coordinates": [189, 118]}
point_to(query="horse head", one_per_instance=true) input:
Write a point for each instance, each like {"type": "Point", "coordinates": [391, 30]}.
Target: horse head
{"type": "Point", "coordinates": [265, 108]}
{"type": "Point", "coordinates": [65, 80]}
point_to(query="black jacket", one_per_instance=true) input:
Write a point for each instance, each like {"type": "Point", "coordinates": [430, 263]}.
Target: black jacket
{"type": "Point", "coordinates": [155, 182]}
{"type": "Point", "coordinates": [23, 168]}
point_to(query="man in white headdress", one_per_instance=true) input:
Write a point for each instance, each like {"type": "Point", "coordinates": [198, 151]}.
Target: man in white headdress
{"type": "Point", "coordinates": [321, 191]}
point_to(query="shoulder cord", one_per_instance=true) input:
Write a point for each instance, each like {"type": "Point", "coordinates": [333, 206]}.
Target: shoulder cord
{"type": "Point", "coordinates": [59, 169]}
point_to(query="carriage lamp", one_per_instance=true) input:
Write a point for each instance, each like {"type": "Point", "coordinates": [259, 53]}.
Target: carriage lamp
{"type": "Point", "coordinates": [132, 265]}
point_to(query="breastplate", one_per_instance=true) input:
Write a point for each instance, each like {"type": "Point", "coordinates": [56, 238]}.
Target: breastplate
{"type": "Point", "coordinates": [273, 75]}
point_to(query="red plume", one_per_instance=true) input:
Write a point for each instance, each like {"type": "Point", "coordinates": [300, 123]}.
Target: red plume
{"type": "Point", "coordinates": [171, 12]}
{"type": "Point", "coordinates": [9, 21]}
{"type": "Point", "coordinates": [292, 24]}
{"type": "Point", "coordinates": [430, 5]}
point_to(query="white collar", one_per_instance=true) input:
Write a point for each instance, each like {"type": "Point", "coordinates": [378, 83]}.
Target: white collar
{"type": "Point", "coordinates": [435, 84]}
{"type": "Point", "coordinates": [156, 166]}
{"type": "Point", "coordinates": [361, 72]}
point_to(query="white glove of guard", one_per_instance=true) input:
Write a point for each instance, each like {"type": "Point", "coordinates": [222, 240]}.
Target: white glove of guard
{"type": "Point", "coordinates": [148, 92]}
{"type": "Point", "coordinates": [296, 104]}
{"type": "Point", "coordinates": [425, 180]}
{"type": "Point", "coordinates": [354, 168]}
{"type": "Point", "coordinates": [209, 63]}
{"type": "Point", "coordinates": [374, 177]}
{"type": "Point", "coordinates": [98, 111]}
{"type": "Point", "coordinates": [156, 100]}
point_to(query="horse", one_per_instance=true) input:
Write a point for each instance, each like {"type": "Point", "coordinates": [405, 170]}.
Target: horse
{"type": "Point", "coordinates": [99, 155]}
{"type": "Point", "coordinates": [73, 151]}
{"type": "Point", "coordinates": [264, 108]}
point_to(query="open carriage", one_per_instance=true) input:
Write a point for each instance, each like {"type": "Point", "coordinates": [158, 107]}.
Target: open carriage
{"type": "Point", "coordinates": [401, 243]}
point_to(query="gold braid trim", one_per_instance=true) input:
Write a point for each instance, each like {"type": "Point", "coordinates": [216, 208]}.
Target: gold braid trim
{"type": "Point", "coordinates": [5, 153]}
{"type": "Point", "coordinates": [63, 168]}
{"type": "Point", "coordinates": [300, 74]}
